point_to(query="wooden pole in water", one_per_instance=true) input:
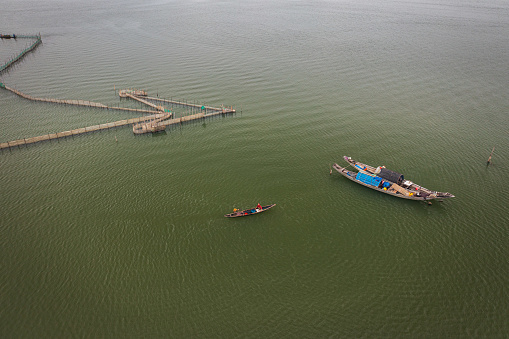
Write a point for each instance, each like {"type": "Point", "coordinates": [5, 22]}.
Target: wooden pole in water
{"type": "Point", "coordinates": [489, 159]}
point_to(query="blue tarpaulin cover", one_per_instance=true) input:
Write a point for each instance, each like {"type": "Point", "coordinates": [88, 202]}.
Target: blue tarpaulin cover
{"type": "Point", "coordinates": [368, 179]}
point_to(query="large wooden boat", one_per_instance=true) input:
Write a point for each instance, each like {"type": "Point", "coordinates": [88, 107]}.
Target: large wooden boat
{"type": "Point", "coordinates": [387, 181]}
{"type": "Point", "coordinates": [249, 211]}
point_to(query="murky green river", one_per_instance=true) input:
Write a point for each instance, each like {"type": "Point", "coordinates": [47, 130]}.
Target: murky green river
{"type": "Point", "coordinates": [115, 235]}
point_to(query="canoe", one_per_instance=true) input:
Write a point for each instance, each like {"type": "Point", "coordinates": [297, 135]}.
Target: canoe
{"type": "Point", "coordinates": [249, 211]}
{"type": "Point", "coordinates": [387, 181]}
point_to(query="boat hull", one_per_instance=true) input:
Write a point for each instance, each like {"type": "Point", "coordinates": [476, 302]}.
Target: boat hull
{"type": "Point", "coordinates": [351, 175]}
{"type": "Point", "coordinates": [250, 211]}
{"type": "Point", "coordinates": [411, 192]}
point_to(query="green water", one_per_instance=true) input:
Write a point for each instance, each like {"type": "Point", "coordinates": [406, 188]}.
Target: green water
{"type": "Point", "coordinates": [115, 235]}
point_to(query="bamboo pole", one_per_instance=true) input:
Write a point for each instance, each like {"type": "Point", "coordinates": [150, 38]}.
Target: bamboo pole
{"type": "Point", "coordinates": [489, 159]}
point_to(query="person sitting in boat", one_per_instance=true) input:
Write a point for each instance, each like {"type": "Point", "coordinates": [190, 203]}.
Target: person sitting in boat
{"type": "Point", "coordinates": [259, 207]}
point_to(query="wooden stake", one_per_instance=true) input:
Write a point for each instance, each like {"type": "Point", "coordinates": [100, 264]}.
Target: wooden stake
{"type": "Point", "coordinates": [489, 159]}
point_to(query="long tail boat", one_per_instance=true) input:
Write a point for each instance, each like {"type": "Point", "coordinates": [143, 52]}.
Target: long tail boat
{"type": "Point", "coordinates": [387, 181]}
{"type": "Point", "coordinates": [249, 211]}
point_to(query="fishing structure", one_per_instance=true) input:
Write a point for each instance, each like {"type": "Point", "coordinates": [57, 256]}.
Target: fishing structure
{"type": "Point", "coordinates": [159, 118]}
{"type": "Point", "coordinates": [37, 41]}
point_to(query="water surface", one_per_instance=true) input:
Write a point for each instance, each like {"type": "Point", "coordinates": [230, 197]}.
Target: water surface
{"type": "Point", "coordinates": [109, 238]}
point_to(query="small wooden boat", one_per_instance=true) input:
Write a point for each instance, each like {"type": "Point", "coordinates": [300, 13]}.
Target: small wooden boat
{"type": "Point", "coordinates": [387, 181]}
{"type": "Point", "coordinates": [249, 211]}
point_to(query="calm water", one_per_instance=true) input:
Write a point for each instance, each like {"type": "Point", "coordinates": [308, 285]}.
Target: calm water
{"type": "Point", "coordinates": [100, 238]}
